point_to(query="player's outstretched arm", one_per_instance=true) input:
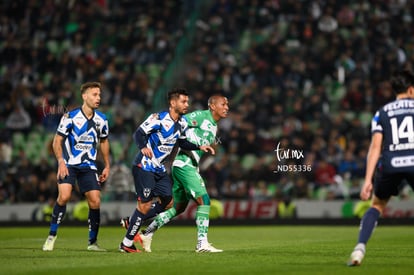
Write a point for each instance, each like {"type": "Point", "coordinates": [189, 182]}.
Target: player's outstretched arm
{"type": "Point", "coordinates": [187, 145]}
{"type": "Point", "coordinates": [207, 148]}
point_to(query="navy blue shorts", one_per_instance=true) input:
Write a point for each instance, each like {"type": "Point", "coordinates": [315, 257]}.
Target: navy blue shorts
{"type": "Point", "coordinates": [149, 185]}
{"type": "Point", "coordinates": [86, 178]}
{"type": "Point", "coordinates": [387, 185]}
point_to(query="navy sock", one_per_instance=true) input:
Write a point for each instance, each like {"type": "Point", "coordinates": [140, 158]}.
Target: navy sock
{"type": "Point", "coordinates": [155, 210]}
{"type": "Point", "coordinates": [57, 217]}
{"type": "Point", "coordinates": [134, 224]}
{"type": "Point", "coordinates": [368, 223]}
{"type": "Point", "coordinates": [94, 219]}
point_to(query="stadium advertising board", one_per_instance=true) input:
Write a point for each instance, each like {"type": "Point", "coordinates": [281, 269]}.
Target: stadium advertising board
{"type": "Point", "coordinates": [229, 209]}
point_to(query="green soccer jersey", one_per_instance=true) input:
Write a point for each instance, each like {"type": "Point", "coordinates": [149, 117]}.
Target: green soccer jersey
{"type": "Point", "coordinates": [202, 131]}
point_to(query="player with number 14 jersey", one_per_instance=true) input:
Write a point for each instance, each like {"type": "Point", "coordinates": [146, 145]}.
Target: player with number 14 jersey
{"type": "Point", "coordinates": [395, 121]}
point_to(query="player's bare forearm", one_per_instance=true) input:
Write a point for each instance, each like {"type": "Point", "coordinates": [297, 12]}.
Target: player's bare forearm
{"type": "Point", "coordinates": [57, 148]}
{"type": "Point", "coordinates": [62, 171]}
{"type": "Point", "coordinates": [373, 155]}
{"type": "Point", "coordinates": [104, 147]}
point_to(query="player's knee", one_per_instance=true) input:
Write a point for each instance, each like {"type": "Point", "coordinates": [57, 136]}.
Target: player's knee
{"type": "Point", "coordinates": [166, 202]}
{"type": "Point", "coordinates": [379, 208]}
{"type": "Point", "coordinates": [144, 207]}
{"type": "Point", "coordinates": [169, 205]}
{"type": "Point", "coordinates": [94, 203]}
{"type": "Point", "coordinates": [379, 204]}
{"type": "Point", "coordinates": [203, 200]}
{"type": "Point", "coordinates": [94, 199]}
{"type": "Point", "coordinates": [63, 199]}
{"type": "Point", "coordinates": [180, 207]}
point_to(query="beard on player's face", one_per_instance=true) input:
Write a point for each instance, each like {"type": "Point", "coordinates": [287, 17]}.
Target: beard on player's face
{"type": "Point", "coordinates": [180, 106]}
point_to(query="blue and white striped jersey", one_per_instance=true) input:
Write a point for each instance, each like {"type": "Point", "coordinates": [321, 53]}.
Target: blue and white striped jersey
{"type": "Point", "coordinates": [163, 133]}
{"type": "Point", "coordinates": [82, 137]}
{"type": "Point", "coordinates": [396, 122]}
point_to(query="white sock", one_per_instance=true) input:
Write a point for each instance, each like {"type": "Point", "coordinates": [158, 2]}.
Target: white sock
{"type": "Point", "coordinates": [127, 242]}
{"type": "Point", "coordinates": [360, 246]}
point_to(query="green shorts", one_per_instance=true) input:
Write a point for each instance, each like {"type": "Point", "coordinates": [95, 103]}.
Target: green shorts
{"type": "Point", "coordinates": [188, 183]}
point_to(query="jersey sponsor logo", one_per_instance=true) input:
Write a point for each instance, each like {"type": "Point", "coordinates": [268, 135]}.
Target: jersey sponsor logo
{"type": "Point", "coordinates": [402, 146]}
{"type": "Point", "coordinates": [165, 149]}
{"type": "Point", "coordinates": [83, 147]}
{"type": "Point", "coordinates": [402, 161]}
{"type": "Point", "coordinates": [86, 138]}
{"type": "Point", "coordinates": [400, 112]}
{"type": "Point", "coordinates": [171, 140]}
{"type": "Point", "coordinates": [399, 104]}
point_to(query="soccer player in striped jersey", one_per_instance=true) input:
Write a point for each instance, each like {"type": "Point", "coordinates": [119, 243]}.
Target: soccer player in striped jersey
{"type": "Point", "coordinates": [156, 138]}
{"type": "Point", "coordinates": [188, 183]}
{"type": "Point", "coordinates": [80, 134]}
{"type": "Point", "coordinates": [390, 158]}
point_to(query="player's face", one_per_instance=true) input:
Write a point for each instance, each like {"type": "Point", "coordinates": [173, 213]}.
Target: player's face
{"type": "Point", "coordinates": [180, 105]}
{"type": "Point", "coordinates": [220, 107]}
{"type": "Point", "coordinates": [92, 97]}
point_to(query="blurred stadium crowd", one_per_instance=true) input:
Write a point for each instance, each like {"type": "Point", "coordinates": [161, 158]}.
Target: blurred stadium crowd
{"type": "Point", "coordinates": [303, 77]}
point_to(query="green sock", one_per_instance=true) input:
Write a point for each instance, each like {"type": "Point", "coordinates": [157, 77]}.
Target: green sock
{"type": "Point", "coordinates": [160, 220]}
{"type": "Point", "coordinates": [202, 221]}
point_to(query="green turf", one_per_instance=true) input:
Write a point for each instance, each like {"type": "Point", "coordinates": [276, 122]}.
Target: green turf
{"type": "Point", "coordinates": [247, 250]}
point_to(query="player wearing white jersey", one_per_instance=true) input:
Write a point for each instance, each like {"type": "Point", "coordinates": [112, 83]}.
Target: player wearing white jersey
{"type": "Point", "coordinates": [75, 146]}
{"type": "Point", "coordinates": [156, 138]}
{"type": "Point", "coordinates": [81, 136]}
{"type": "Point", "coordinates": [390, 157]}
{"type": "Point", "coordinates": [166, 132]}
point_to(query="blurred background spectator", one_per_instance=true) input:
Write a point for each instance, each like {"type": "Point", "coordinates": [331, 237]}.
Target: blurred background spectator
{"type": "Point", "coordinates": [304, 74]}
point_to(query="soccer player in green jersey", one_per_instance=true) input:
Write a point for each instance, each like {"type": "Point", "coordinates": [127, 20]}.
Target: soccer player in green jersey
{"type": "Point", "coordinates": [188, 183]}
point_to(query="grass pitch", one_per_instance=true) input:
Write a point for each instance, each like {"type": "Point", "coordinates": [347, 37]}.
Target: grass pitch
{"type": "Point", "coordinates": [247, 250]}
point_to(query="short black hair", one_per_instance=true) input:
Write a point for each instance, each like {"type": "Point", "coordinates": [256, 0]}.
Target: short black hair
{"type": "Point", "coordinates": [175, 93]}
{"type": "Point", "coordinates": [401, 81]}
{"type": "Point", "coordinates": [88, 85]}
{"type": "Point", "coordinates": [212, 99]}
